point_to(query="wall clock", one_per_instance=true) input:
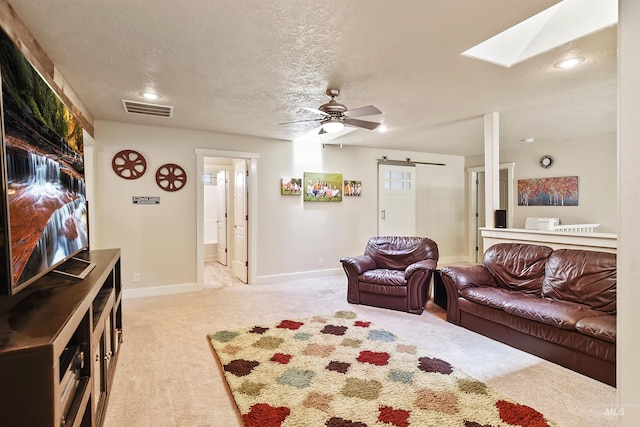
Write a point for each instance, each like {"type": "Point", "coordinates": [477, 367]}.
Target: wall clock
{"type": "Point", "coordinates": [129, 164]}
{"type": "Point", "coordinates": [546, 161]}
{"type": "Point", "coordinates": [171, 177]}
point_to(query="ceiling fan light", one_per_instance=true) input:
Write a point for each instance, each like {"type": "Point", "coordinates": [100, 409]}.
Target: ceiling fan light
{"type": "Point", "coordinates": [332, 125]}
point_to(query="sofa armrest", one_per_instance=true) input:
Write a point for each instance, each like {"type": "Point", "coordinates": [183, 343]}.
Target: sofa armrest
{"type": "Point", "coordinates": [418, 276]}
{"type": "Point", "coordinates": [353, 267]}
{"type": "Point", "coordinates": [427, 264]}
{"type": "Point", "coordinates": [455, 279]}
{"type": "Point", "coordinates": [359, 264]}
{"type": "Point", "coordinates": [463, 277]}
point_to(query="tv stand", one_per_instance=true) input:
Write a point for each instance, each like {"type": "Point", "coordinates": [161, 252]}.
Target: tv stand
{"type": "Point", "coordinates": [59, 346]}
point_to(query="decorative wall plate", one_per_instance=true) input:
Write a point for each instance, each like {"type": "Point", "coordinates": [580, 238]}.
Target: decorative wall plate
{"type": "Point", "coordinates": [546, 161]}
{"type": "Point", "coordinates": [171, 177]}
{"type": "Point", "coordinates": [129, 164]}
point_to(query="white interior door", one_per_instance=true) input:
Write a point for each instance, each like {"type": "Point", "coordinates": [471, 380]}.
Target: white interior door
{"type": "Point", "coordinates": [396, 200]}
{"type": "Point", "coordinates": [240, 220]}
{"type": "Point", "coordinates": [221, 224]}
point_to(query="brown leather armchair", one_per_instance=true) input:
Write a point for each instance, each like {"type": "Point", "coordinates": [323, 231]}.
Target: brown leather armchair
{"type": "Point", "coordinates": [394, 272]}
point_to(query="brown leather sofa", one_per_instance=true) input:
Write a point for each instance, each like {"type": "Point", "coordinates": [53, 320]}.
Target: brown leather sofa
{"type": "Point", "coordinates": [557, 304]}
{"type": "Point", "coordinates": [394, 272]}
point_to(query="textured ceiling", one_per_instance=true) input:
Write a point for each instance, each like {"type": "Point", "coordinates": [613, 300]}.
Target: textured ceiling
{"type": "Point", "coordinates": [243, 67]}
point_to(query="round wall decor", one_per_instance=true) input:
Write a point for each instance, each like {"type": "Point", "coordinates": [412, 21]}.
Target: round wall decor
{"type": "Point", "coordinates": [546, 161]}
{"type": "Point", "coordinates": [129, 164]}
{"type": "Point", "coordinates": [171, 177]}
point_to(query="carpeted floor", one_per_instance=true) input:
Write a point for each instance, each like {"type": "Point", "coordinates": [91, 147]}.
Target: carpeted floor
{"type": "Point", "coordinates": [165, 375]}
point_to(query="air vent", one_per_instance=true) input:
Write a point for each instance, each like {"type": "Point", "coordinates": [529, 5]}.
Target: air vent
{"type": "Point", "coordinates": [135, 107]}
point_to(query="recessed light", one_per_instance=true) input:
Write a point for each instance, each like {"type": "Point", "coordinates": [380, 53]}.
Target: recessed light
{"type": "Point", "coordinates": [569, 62]}
{"type": "Point", "coordinates": [527, 140]}
{"type": "Point", "coordinates": [149, 95]}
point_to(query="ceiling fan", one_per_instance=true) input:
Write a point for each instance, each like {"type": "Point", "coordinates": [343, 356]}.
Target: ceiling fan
{"type": "Point", "coordinates": [336, 115]}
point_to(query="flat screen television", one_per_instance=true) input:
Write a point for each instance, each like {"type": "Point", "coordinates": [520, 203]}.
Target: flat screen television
{"type": "Point", "coordinates": [43, 204]}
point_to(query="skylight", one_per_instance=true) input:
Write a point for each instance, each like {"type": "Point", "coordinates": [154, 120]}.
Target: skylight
{"type": "Point", "coordinates": [557, 25]}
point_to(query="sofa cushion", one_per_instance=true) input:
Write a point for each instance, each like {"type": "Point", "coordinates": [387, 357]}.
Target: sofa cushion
{"type": "Point", "coordinates": [384, 277]}
{"type": "Point", "coordinates": [491, 297]}
{"type": "Point", "coordinates": [397, 252]}
{"type": "Point", "coordinates": [560, 314]}
{"type": "Point", "coordinates": [585, 277]}
{"type": "Point", "coordinates": [603, 327]}
{"type": "Point", "coordinates": [517, 266]}
{"type": "Point", "coordinates": [382, 291]}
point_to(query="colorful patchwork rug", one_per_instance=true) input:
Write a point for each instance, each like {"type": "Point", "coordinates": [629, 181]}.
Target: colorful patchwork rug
{"type": "Point", "coordinates": [342, 371]}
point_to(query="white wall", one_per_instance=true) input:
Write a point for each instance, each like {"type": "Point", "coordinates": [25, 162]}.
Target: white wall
{"type": "Point", "coordinates": [628, 343]}
{"type": "Point", "coordinates": [593, 159]}
{"type": "Point", "coordinates": [159, 242]}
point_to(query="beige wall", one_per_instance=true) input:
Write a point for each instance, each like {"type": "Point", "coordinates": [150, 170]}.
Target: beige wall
{"type": "Point", "coordinates": [593, 159]}
{"type": "Point", "coordinates": [159, 242]}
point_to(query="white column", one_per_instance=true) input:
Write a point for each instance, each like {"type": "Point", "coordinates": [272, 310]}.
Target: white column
{"type": "Point", "coordinates": [491, 166]}
{"type": "Point", "coordinates": [628, 343]}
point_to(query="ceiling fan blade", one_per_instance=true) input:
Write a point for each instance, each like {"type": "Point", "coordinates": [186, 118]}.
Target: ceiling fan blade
{"type": "Point", "coordinates": [315, 110]}
{"type": "Point", "coordinates": [361, 123]}
{"type": "Point", "coordinates": [369, 110]}
{"type": "Point", "coordinates": [301, 121]}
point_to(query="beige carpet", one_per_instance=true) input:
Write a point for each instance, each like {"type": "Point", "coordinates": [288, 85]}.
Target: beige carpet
{"type": "Point", "coordinates": [165, 375]}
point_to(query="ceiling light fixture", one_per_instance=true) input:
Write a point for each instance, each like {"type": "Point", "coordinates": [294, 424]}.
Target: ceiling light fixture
{"type": "Point", "coordinates": [569, 62]}
{"type": "Point", "coordinates": [147, 94]}
{"type": "Point", "coordinates": [382, 128]}
{"type": "Point", "coordinates": [332, 125]}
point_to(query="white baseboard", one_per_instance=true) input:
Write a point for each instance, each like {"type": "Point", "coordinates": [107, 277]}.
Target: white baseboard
{"type": "Point", "coordinates": [260, 280]}
{"type": "Point", "coordinates": [279, 278]}
{"type": "Point", "coordinates": [160, 290]}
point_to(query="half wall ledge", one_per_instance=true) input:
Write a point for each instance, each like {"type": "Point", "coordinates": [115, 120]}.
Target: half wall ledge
{"type": "Point", "coordinates": [603, 242]}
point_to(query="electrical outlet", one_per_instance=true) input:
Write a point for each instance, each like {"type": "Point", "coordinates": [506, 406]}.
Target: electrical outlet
{"type": "Point", "coordinates": [321, 262]}
{"type": "Point", "coordinates": [136, 277]}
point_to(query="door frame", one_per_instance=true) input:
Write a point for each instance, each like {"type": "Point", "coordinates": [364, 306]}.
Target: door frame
{"type": "Point", "coordinates": [472, 174]}
{"type": "Point", "coordinates": [252, 249]}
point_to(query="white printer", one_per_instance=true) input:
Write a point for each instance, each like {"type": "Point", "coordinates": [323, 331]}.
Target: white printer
{"type": "Point", "coordinates": [541, 223]}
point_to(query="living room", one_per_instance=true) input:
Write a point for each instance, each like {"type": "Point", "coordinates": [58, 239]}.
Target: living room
{"type": "Point", "coordinates": [161, 242]}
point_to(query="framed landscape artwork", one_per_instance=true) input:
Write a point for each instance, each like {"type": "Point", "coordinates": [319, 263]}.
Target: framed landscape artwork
{"type": "Point", "coordinates": [322, 187]}
{"type": "Point", "coordinates": [352, 187]}
{"type": "Point", "coordinates": [291, 186]}
{"type": "Point", "coordinates": [560, 191]}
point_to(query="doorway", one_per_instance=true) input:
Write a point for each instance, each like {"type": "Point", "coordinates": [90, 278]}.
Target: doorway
{"type": "Point", "coordinates": [232, 258]}
{"type": "Point", "coordinates": [477, 218]}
